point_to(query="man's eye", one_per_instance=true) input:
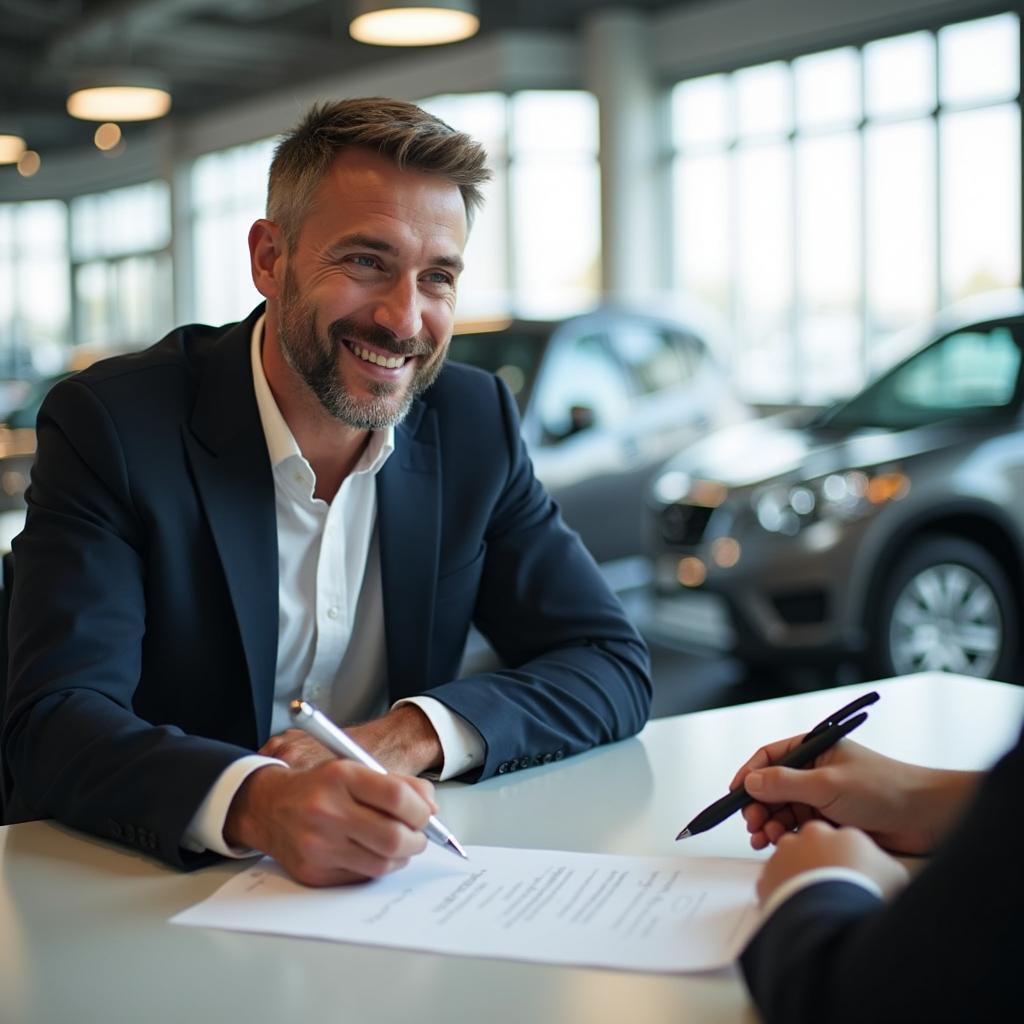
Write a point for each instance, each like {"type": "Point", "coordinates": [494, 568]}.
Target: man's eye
{"type": "Point", "coordinates": [363, 261]}
{"type": "Point", "coordinates": [439, 277]}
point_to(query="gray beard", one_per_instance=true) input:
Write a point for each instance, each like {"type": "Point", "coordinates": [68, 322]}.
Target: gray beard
{"type": "Point", "coordinates": [315, 361]}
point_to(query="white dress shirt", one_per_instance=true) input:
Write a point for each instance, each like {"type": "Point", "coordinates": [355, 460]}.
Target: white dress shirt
{"type": "Point", "coordinates": [330, 643]}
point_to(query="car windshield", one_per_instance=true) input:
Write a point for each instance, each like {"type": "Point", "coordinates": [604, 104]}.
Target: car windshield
{"type": "Point", "coordinates": [970, 374]}
{"type": "Point", "coordinates": [513, 354]}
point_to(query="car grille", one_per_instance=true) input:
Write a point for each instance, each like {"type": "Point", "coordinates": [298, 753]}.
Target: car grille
{"type": "Point", "coordinates": [684, 524]}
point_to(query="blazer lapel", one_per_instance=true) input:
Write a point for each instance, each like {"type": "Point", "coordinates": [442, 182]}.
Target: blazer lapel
{"type": "Point", "coordinates": [228, 454]}
{"type": "Point", "coordinates": [409, 530]}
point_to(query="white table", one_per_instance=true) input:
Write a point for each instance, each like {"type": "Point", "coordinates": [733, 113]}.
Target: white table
{"type": "Point", "coordinates": [83, 924]}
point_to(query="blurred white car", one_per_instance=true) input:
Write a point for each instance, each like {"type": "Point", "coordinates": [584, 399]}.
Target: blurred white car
{"type": "Point", "coordinates": [606, 398]}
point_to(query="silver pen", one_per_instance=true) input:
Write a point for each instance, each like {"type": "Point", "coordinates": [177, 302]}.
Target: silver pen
{"type": "Point", "coordinates": [309, 717]}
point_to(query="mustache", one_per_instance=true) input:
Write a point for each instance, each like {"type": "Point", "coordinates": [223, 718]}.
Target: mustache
{"type": "Point", "coordinates": [348, 329]}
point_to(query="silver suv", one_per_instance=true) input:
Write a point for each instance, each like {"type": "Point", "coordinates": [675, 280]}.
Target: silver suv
{"type": "Point", "coordinates": [890, 527]}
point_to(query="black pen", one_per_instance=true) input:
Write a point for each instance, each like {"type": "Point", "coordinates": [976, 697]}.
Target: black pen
{"type": "Point", "coordinates": [825, 734]}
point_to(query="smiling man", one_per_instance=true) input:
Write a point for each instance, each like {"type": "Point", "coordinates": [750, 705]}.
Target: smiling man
{"type": "Point", "coordinates": [312, 504]}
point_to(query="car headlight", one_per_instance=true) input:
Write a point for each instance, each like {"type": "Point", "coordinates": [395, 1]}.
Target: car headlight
{"type": "Point", "coordinates": [845, 496]}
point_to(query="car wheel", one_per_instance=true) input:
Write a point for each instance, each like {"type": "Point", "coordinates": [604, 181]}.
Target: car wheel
{"type": "Point", "coordinates": [947, 606]}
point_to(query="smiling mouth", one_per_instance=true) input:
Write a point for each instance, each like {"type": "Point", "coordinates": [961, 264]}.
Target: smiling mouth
{"type": "Point", "coordinates": [388, 362]}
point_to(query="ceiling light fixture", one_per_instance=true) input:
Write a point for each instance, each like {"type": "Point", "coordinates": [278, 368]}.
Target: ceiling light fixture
{"type": "Point", "coordinates": [29, 163]}
{"type": "Point", "coordinates": [120, 96]}
{"type": "Point", "coordinates": [413, 22]}
{"type": "Point", "coordinates": [11, 148]}
{"type": "Point", "coordinates": [107, 136]}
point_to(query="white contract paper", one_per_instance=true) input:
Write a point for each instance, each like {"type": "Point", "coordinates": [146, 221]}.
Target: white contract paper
{"type": "Point", "coordinates": [547, 906]}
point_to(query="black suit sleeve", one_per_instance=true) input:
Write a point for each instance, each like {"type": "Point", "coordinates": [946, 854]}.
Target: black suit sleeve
{"type": "Point", "coordinates": [948, 948]}
{"type": "Point", "coordinates": [73, 744]}
{"type": "Point", "coordinates": [579, 673]}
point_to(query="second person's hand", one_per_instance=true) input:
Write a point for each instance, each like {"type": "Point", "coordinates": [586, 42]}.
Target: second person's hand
{"type": "Point", "coordinates": [819, 845]}
{"type": "Point", "coordinates": [904, 807]}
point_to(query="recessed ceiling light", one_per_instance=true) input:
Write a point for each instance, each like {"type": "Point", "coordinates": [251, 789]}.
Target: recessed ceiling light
{"type": "Point", "coordinates": [118, 95]}
{"type": "Point", "coordinates": [413, 22]}
{"type": "Point", "coordinates": [29, 163]}
{"type": "Point", "coordinates": [11, 148]}
{"type": "Point", "coordinates": [107, 136]}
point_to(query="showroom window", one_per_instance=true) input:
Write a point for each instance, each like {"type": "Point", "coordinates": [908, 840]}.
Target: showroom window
{"type": "Point", "coordinates": [227, 192]}
{"type": "Point", "coordinates": [542, 149]}
{"type": "Point", "coordinates": [825, 204]}
{"type": "Point", "coordinates": [35, 289]}
{"type": "Point", "coordinates": [121, 266]}
{"type": "Point", "coordinates": [535, 248]}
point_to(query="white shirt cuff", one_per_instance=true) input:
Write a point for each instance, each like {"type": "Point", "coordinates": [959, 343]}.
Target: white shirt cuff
{"type": "Point", "coordinates": [462, 745]}
{"type": "Point", "coordinates": [206, 829]}
{"type": "Point", "coordinates": [805, 879]}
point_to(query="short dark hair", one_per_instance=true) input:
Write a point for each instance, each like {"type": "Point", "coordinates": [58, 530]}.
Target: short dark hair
{"type": "Point", "coordinates": [396, 129]}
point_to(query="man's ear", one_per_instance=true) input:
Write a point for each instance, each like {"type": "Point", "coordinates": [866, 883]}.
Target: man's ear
{"type": "Point", "coordinates": [266, 257]}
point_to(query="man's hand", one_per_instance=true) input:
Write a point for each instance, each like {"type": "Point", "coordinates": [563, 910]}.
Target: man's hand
{"type": "Point", "coordinates": [819, 845]}
{"type": "Point", "coordinates": [403, 741]}
{"type": "Point", "coordinates": [333, 823]}
{"type": "Point", "coordinates": [297, 749]}
{"type": "Point", "coordinates": [329, 821]}
{"type": "Point", "coordinates": [905, 808]}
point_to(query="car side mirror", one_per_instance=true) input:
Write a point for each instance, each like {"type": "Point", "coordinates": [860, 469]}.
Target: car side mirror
{"type": "Point", "coordinates": [581, 417]}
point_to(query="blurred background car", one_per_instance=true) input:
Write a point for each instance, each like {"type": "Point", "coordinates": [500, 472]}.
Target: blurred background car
{"type": "Point", "coordinates": [606, 398]}
{"type": "Point", "coordinates": [17, 452]}
{"type": "Point", "coordinates": [889, 527]}
{"type": "Point", "coordinates": [18, 440]}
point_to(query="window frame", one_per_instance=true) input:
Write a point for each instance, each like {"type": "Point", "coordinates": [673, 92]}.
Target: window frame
{"type": "Point", "coordinates": [676, 153]}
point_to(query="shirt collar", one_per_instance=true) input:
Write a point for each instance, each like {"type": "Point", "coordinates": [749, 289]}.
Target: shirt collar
{"type": "Point", "coordinates": [281, 443]}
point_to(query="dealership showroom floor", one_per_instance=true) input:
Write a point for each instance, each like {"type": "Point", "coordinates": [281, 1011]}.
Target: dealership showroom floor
{"type": "Point", "coordinates": [686, 681]}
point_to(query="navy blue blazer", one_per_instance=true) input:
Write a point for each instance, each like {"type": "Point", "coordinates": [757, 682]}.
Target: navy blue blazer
{"type": "Point", "coordinates": [948, 948]}
{"type": "Point", "coordinates": [143, 624]}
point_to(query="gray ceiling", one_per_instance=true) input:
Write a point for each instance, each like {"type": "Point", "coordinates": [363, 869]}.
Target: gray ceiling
{"type": "Point", "coordinates": [215, 52]}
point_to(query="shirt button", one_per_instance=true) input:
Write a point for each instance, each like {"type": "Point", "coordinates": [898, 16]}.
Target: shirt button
{"type": "Point", "coordinates": [332, 612]}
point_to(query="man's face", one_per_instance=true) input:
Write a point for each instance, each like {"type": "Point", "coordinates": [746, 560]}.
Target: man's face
{"type": "Point", "coordinates": [367, 300]}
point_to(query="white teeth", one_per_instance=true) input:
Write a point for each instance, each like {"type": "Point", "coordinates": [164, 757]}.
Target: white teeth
{"type": "Point", "coordinates": [390, 362]}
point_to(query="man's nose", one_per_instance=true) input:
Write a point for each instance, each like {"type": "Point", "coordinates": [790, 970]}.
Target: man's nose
{"type": "Point", "coordinates": [398, 309]}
